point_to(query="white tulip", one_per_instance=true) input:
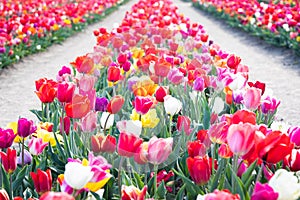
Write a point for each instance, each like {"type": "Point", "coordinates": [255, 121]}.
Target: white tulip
{"type": "Point", "coordinates": [130, 126]}
{"type": "Point", "coordinates": [110, 121]}
{"type": "Point", "coordinates": [286, 184]}
{"type": "Point", "coordinates": [172, 105]}
{"type": "Point", "coordinates": [76, 175]}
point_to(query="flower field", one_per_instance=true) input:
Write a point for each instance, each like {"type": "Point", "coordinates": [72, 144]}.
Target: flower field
{"type": "Point", "coordinates": [27, 27]}
{"type": "Point", "coordinates": [277, 22]}
{"type": "Point", "coordinates": [156, 111]}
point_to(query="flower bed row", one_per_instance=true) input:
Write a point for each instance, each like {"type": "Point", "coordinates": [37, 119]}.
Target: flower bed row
{"type": "Point", "coordinates": [156, 111]}
{"type": "Point", "coordinates": [27, 27]}
{"type": "Point", "coordinates": [277, 22]}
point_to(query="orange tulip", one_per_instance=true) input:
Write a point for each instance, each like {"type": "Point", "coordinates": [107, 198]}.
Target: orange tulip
{"type": "Point", "coordinates": [115, 104]}
{"type": "Point", "coordinates": [78, 107]}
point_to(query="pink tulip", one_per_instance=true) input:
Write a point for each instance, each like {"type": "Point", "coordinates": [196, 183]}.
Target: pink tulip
{"type": "Point", "coordinates": [159, 149]}
{"type": "Point", "coordinates": [36, 146]}
{"type": "Point", "coordinates": [175, 76]}
{"type": "Point", "coordinates": [142, 104]}
{"type": "Point", "coordinates": [294, 134]}
{"type": "Point", "coordinates": [128, 144]}
{"type": "Point", "coordinates": [240, 138]}
{"type": "Point", "coordinates": [251, 98]}
{"type": "Point", "coordinates": [183, 124]}
{"type": "Point", "coordinates": [65, 92]}
{"type": "Point", "coordinates": [89, 122]}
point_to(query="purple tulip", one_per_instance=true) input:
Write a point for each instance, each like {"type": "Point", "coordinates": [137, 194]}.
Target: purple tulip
{"type": "Point", "coordinates": [101, 104]}
{"type": "Point", "coordinates": [27, 158]}
{"type": "Point", "coordinates": [263, 192]}
{"type": "Point", "coordinates": [7, 137]}
{"type": "Point", "coordinates": [25, 127]}
{"type": "Point", "coordinates": [199, 84]}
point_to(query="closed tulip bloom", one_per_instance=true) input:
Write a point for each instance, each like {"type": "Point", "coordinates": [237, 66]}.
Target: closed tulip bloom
{"type": "Point", "coordinates": [25, 127]}
{"type": "Point", "coordinates": [83, 175]}
{"type": "Point", "coordinates": [251, 98]}
{"type": "Point", "coordinates": [7, 137]}
{"type": "Point", "coordinates": [36, 145]}
{"type": "Point", "coordinates": [128, 144]}
{"type": "Point", "coordinates": [233, 61]}
{"type": "Point", "coordinates": [240, 138]}
{"type": "Point", "coordinates": [115, 104]}
{"type": "Point", "coordinates": [142, 104]}
{"type": "Point", "coordinates": [196, 148]}
{"type": "Point", "coordinates": [101, 104]}
{"type": "Point", "coordinates": [172, 105]}
{"type": "Point", "coordinates": [3, 194]}
{"type": "Point", "coordinates": [56, 196]}
{"type": "Point", "coordinates": [263, 192]}
{"type": "Point", "coordinates": [102, 143]}
{"type": "Point", "coordinates": [199, 169]}
{"type": "Point", "coordinates": [84, 64]}
{"type": "Point", "coordinates": [159, 149]}
{"type": "Point", "coordinates": [42, 180]}
{"type": "Point", "coordinates": [183, 124]}
{"type": "Point", "coordinates": [131, 192]}
{"type": "Point", "coordinates": [9, 160]}
{"type": "Point", "coordinates": [199, 84]}
{"type": "Point", "coordinates": [175, 76]}
{"type": "Point", "coordinates": [294, 134]}
{"type": "Point", "coordinates": [113, 74]}
{"type": "Point", "coordinates": [78, 107]}
{"type": "Point", "coordinates": [65, 92]}
{"type": "Point", "coordinates": [89, 122]}
{"type": "Point", "coordinates": [161, 92]}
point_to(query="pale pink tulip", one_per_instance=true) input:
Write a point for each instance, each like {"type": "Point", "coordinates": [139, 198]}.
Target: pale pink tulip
{"type": "Point", "coordinates": [159, 149]}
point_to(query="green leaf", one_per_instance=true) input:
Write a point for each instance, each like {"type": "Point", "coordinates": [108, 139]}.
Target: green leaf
{"type": "Point", "coordinates": [38, 114]}
{"type": "Point", "coordinates": [248, 173]}
{"type": "Point", "coordinates": [242, 191]}
{"type": "Point", "coordinates": [180, 193]}
{"type": "Point", "coordinates": [161, 190]}
{"type": "Point", "coordinates": [215, 180]}
{"type": "Point", "coordinates": [138, 180]}
{"type": "Point", "coordinates": [18, 180]}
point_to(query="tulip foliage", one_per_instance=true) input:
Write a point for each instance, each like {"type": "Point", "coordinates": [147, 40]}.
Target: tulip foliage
{"type": "Point", "coordinates": [277, 22]}
{"type": "Point", "coordinates": [155, 111]}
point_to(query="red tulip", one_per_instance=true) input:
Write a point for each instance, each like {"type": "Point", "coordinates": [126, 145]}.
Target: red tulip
{"type": "Point", "coordinates": [196, 148]}
{"type": "Point", "coordinates": [78, 107]}
{"type": "Point", "coordinates": [240, 138]}
{"type": "Point", "coordinates": [128, 144]}
{"type": "Point", "coordinates": [101, 143]}
{"type": "Point", "coordinates": [183, 124]}
{"type": "Point", "coordinates": [84, 64]}
{"type": "Point", "coordinates": [274, 147]}
{"type": "Point", "coordinates": [224, 151]}
{"type": "Point", "coordinates": [133, 193]}
{"type": "Point", "coordinates": [42, 180]}
{"type": "Point", "coordinates": [293, 160]}
{"type": "Point", "coordinates": [199, 169]}
{"type": "Point", "coordinates": [9, 160]}
{"type": "Point", "coordinates": [3, 194]}
{"type": "Point", "coordinates": [113, 73]}
{"type": "Point", "coordinates": [65, 92]}
{"type": "Point", "coordinates": [46, 90]}
{"type": "Point", "coordinates": [233, 61]}
{"type": "Point", "coordinates": [142, 104]}
{"type": "Point", "coordinates": [259, 85]}
{"type": "Point", "coordinates": [244, 116]}
{"type": "Point", "coordinates": [56, 196]}
{"type": "Point", "coordinates": [115, 104]}
{"type": "Point", "coordinates": [202, 136]}
{"type": "Point", "coordinates": [161, 92]}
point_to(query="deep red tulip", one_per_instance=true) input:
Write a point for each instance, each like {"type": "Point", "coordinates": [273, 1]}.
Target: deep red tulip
{"type": "Point", "coordinates": [199, 169]}
{"type": "Point", "coordinates": [115, 104]}
{"type": "Point", "coordinates": [128, 144]}
{"type": "Point", "coordinates": [78, 107]}
{"type": "Point", "coordinates": [274, 147]}
{"type": "Point", "coordinates": [42, 180]}
{"type": "Point", "coordinates": [196, 148]}
{"type": "Point", "coordinates": [9, 160]}
{"type": "Point", "coordinates": [3, 194]}
{"type": "Point", "coordinates": [113, 74]}
{"type": "Point", "coordinates": [161, 92]}
{"type": "Point", "coordinates": [65, 92]}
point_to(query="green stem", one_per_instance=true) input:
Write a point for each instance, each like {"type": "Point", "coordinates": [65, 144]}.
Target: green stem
{"type": "Point", "coordinates": [259, 172]}
{"type": "Point", "coordinates": [11, 186]}
{"type": "Point", "coordinates": [155, 181]}
{"type": "Point", "coordinates": [62, 119]}
{"type": "Point", "coordinates": [170, 126]}
{"type": "Point", "coordinates": [235, 169]}
{"type": "Point", "coordinates": [120, 175]}
{"type": "Point", "coordinates": [23, 146]}
{"type": "Point", "coordinates": [213, 158]}
{"type": "Point", "coordinates": [104, 128]}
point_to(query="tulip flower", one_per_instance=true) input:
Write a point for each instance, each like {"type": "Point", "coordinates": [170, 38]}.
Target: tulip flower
{"type": "Point", "coordinates": [172, 105]}
{"type": "Point", "coordinates": [101, 143]}
{"type": "Point", "coordinates": [141, 154]}
{"type": "Point", "coordinates": [128, 144]}
{"type": "Point", "coordinates": [202, 136]}
{"type": "Point", "coordinates": [130, 126]}
{"type": "Point", "coordinates": [9, 160]}
{"type": "Point", "coordinates": [78, 107]}
{"type": "Point", "coordinates": [218, 132]}
{"type": "Point", "coordinates": [233, 61]}
{"type": "Point", "coordinates": [143, 86]}
{"type": "Point", "coordinates": [84, 64]}
{"type": "Point", "coordinates": [240, 138]}
{"type": "Point", "coordinates": [101, 104]}
{"type": "Point", "coordinates": [263, 192]}
{"type": "Point", "coordinates": [175, 76]}
{"type": "Point", "coordinates": [142, 104]}
{"type": "Point", "coordinates": [199, 169]}
{"type": "Point", "coordinates": [149, 120]}
{"type": "Point", "coordinates": [224, 151]}
{"type": "Point", "coordinates": [46, 91]}
{"type": "Point", "coordinates": [25, 127]}
{"type": "Point", "coordinates": [115, 104]}
{"type": "Point", "coordinates": [269, 105]}
{"type": "Point", "coordinates": [257, 84]}
{"type": "Point", "coordinates": [64, 70]}
{"type": "Point", "coordinates": [159, 149]}
{"type": "Point", "coordinates": [196, 148]}
{"type": "Point", "coordinates": [36, 145]}
{"type": "Point", "coordinates": [221, 195]}
{"type": "Point", "coordinates": [89, 122]}
{"type": "Point", "coordinates": [286, 184]}
{"type": "Point", "coordinates": [252, 98]}
{"type": "Point", "coordinates": [244, 116]}
{"type": "Point", "coordinates": [7, 137]}
{"type": "Point", "coordinates": [199, 84]}
{"type": "Point", "coordinates": [56, 196]}
{"type": "Point", "coordinates": [107, 120]}
{"type": "Point", "coordinates": [113, 74]}
{"type": "Point", "coordinates": [293, 160]}
{"type": "Point", "coordinates": [161, 92]}
{"type": "Point", "coordinates": [83, 175]}
{"type": "Point", "coordinates": [27, 158]}
{"type": "Point", "coordinates": [183, 124]}
{"type": "Point", "coordinates": [67, 124]}
{"type": "Point", "coordinates": [294, 134]}
{"type": "Point", "coordinates": [65, 92]}
{"type": "Point", "coordinates": [131, 192]}
{"type": "Point", "coordinates": [3, 194]}
{"type": "Point", "coordinates": [274, 147]}
{"type": "Point", "coordinates": [42, 180]}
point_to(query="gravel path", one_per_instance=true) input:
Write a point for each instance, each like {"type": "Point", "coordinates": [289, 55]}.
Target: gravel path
{"type": "Point", "coordinates": [274, 66]}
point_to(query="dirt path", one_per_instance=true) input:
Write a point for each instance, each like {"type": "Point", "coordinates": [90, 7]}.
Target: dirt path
{"type": "Point", "coordinates": [17, 84]}
{"type": "Point", "coordinates": [268, 64]}
{"type": "Point", "coordinates": [276, 67]}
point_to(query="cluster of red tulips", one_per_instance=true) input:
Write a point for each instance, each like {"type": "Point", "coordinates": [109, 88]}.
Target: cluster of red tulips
{"type": "Point", "coordinates": [278, 22]}
{"type": "Point", "coordinates": [30, 26]}
{"type": "Point", "coordinates": [156, 111]}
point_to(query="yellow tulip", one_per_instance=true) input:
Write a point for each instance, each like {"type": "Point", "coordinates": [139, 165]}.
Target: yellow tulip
{"type": "Point", "coordinates": [149, 120]}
